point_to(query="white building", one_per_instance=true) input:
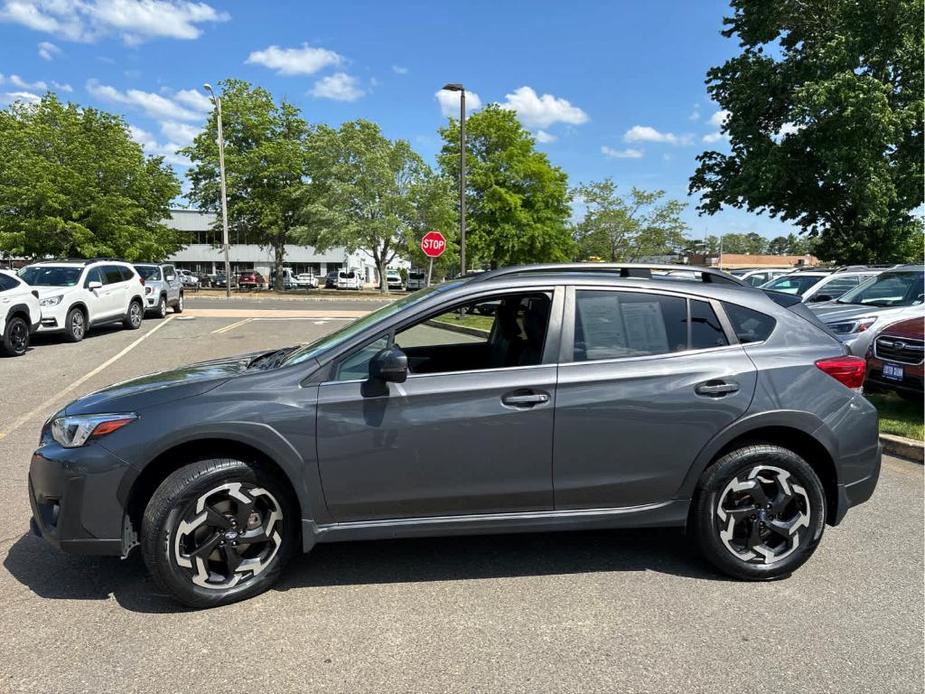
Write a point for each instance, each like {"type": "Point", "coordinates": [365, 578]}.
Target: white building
{"type": "Point", "coordinates": [203, 252]}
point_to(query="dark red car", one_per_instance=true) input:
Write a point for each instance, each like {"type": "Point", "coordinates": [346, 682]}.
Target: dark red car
{"type": "Point", "coordinates": [894, 359]}
{"type": "Point", "coordinates": [248, 279]}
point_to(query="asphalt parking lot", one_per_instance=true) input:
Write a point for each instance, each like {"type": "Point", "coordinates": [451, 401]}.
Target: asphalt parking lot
{"type": "Point", "coordinates": [593, 611]}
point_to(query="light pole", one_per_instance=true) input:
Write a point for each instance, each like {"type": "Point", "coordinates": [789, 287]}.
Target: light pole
{"type": "Point", "coordinates": [221, 172]}
{"type": "Point", "coordinates": [455, 87]}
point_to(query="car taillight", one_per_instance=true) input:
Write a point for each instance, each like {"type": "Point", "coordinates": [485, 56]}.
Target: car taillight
{"type": "Point", "coordinates": [849, 371]}
{"type": "Point", "coordinates": [142, 280]}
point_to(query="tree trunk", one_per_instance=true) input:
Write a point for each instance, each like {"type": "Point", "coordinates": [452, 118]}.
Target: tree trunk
{"type": "Point", "coordinates": [279, 253]}
{"type": "Point", "coordinates": [383, 282]}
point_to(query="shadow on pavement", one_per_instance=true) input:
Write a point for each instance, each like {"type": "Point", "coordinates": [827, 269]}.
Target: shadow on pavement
{"type": "Point", "coordinates": [52, 574]}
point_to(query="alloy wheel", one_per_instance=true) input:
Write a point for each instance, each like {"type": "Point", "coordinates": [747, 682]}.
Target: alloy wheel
{"type": "Point", "coordinates": [19, 337]}
{"type": "Point", "coordinates": [763, 515]}
{"type": "Point", "coordinates": [134, 314]}
{"type": "Point", "coordinates": [228, 535]}
{"type": "Point", "coordinates": [77, 325]}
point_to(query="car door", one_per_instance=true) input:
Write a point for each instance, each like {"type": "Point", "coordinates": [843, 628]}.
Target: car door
{"type": "Point", "coordinates": [110, 296]}
{"type": "Point", "coordinates": [469, 432]}
{"type": "Point", "coordinates": [172, 279]}
{"type": "Point", "coordinates": [647, 379]}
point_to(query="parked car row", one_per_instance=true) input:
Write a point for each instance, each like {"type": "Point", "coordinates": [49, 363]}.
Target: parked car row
{"type": "Point", "coordinates": [69, 297]}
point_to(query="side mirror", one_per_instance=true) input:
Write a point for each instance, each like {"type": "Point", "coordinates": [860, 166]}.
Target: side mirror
{"type": "Point", "coordinates": [389, 365]}
{"type": "Point", "coordinates": [820, 297]}
{"type": "Point", "coordinates": [93, 285]}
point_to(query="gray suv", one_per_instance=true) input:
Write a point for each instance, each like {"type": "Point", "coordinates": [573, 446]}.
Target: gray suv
{"type": "Point", "coordinates": [163, 288]}
{"type": "Point", "coordinates": [600, 396]}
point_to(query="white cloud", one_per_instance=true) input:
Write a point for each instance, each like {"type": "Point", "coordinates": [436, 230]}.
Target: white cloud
{"type": "Point", "coordinates": [542, 111]}
{"type": "Point", "coordinates": [542, 136]}
{"type": "Point", "coordinates": [180, 133]}
{"type": "Point", "coordinates": [399, 70]}
{"type": "Point", "coordinates": [788, 129]}
{"type": "Point", "coordinates": [19, 82]}
{"type": "Point", "coordinates": [62, 87]}
{"type": "Point", "coordinates": [628, 153]}
{"type": "Point", "coordinates": [645, 133]}
{"type": "Point", "coordinates": [695, 113]}
{"type": "Point", "coordinates": [719, 118]}
{"type": "Point", "coordinates": [48, 50]}
{"type": "Point", "coordinates": [711, 138]}
{"type": "Point", "coordinates": [340, 86]}
{"type": "Point", "coordinates": [152, 147]}
{"type": "Point", "coordinates": [132, 21]}
{"type": "Point", "coordinates": [24, 97]}
{"type": "Point", "coordinates": [153, 105]}
{"type": "Point", "coordinates": [449, 102]}
{"type": "Point", "coordinates": [196, 100]}
{"type": "Point", "coordinates": [306, 60]}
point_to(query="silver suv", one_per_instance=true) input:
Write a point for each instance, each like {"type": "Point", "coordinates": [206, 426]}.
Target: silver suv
{"type": "Point", "coordinates": [163, 288]}
{"type": "Point", "coordinates": [582, 397]}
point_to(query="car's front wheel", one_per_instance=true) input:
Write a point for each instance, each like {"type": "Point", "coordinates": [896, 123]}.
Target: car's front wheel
{"type": "Point", "coordinates": [178, 307]}
{"type": "Point", "coordinates": [162, 307]}
{"type": "Point", "coordinates": [135, 315]}
{"type": "Point", "coordinates": [218, 531]}
{"type": "Point", "coordinates": [759, 512]}
{"type": "Point", "coordinates": [75, 325]}
{"type": "Point", "coordinates": [15, 341]}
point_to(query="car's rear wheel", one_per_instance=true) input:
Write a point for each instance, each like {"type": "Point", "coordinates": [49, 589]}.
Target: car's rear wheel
{"type": "Point", "coordinates": [759, 512]}
{"type": "Point", "coordinates": [162, 307]}
{"type": "Point", "coordinates": [75, 325]}
{"type": "Point", "coordinates": [135, 315]}
{"type": "Point", "coordinates": [178, 307]}
{"type": "Point", "coordinates": [218, 531]}
{"type": "Point", "coordinates": [16, 338]}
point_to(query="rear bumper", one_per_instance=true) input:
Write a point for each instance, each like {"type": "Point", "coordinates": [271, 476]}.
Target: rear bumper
{"type": "Point", "coordinates": [858, 491]}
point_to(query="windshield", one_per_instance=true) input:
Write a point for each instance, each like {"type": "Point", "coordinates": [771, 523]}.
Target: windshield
{"type": "Point", "coordinates": [51, 276]}
{"type": "Point", "coordinates": [149, 272]}
{"type": "Point", "coordinates": [338, 337]}
{"type": "Point", "coordinates": [888, 289]}
{"type": "Point", "coordinates": [792, 284]}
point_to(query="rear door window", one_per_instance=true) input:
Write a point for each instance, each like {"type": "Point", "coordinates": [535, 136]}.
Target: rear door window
{"type": "Point", "coordinates": [7, 283]}
{"type": "Point", "coordinates": [838, 286]}
{"type": "Point", "coordinates": [112, 274]}
{"type": "Point", "coordinates": [706, 330]}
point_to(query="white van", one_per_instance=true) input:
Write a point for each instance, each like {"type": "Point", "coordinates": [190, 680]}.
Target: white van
{"type": "Point", "coordinates": [417, 279]}
{"type": "Point", "coordinates": [349, 279]}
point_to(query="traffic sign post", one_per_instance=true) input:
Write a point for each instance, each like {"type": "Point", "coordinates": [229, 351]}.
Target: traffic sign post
{"type": "Point", "coordinates": [433, 244]}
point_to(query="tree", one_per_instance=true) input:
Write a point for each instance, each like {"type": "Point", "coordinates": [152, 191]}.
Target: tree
{"type": "Point", "coordinates": [264, 167]}
{"type": "Point", "coordinates": [825, 123]}
{"type": "Point", "coordinates": [437, 209]}
{"type": "Point", "coordinates": [779, 245]}
{"type": "Point", "coordinates": [369, 193]}
{"type": "Point", "coordinates": [73, 183]}
{"type": "Point", "coordinates": [517, 203]}
{"type": "Point", "coordinates": [624, 229]}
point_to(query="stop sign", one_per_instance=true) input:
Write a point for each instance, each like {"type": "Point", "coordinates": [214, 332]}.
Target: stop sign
{"type": "Point", "coordinates": [433, 244]}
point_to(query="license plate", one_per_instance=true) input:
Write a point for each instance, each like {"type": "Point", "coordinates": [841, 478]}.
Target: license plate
{"type": "Point", "coordinates": [894, 372]}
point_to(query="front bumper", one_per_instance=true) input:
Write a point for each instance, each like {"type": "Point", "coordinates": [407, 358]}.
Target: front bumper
{"type": "Point", "coordinates": [53, 318]}
{"type": "Point", "coordinates": [73, 493]}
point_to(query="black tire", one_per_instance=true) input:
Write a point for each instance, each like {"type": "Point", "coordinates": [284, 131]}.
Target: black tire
{"type": "Point", "coordinates": [162, 307]}
{"type": "Point", "coordinates": [172, 510]}
{"type": "Point", "coordinates": [786, 539]}
{"type": "Point", "coordinates": [178, 307]}
{"type": "Point", "coordinates": [134, 316]}
{"type": "Point", "coordinates": [15, 340]}
{"type": "Point", "coordinates": [75, 325]}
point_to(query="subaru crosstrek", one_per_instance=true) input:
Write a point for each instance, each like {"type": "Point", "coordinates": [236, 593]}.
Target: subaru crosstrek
{"type": "Point", "coordinates": [622, 396]}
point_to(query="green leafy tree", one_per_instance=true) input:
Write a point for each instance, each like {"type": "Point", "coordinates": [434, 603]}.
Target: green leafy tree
{"type": "Point", "coordinates": [825, 123]}
{"type": "Point", "coordinates": [779, 245]}
{"type": "Point", "coordinates": [368, 193]}
{"type": "Point", "coordinates": [73, 183]}
{"type": "Point", "coordinates": [517, 203]}
{"type": "Point", "coordinates": [436, 201]}
{"type": "Point", "coordinates": [264, 167]}
{"type": "Point", "coordinates": [626, 228]}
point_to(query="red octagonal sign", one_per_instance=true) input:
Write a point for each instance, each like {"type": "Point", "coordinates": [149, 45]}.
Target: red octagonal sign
{"type": "Point", "coordinates": [433, 244]}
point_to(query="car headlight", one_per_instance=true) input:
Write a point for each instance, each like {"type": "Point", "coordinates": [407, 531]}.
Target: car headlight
{"type": "Point", "coordinates": [852, 327]}
{"type": "Point", "coordinates": [149, 290]}
{"type": "Point", "coordinates": [51, 300]}
{"type": "Point", "coordinates": [75, 431]}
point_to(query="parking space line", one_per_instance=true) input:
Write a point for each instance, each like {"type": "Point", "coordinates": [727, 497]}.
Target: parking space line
{"type": "Point", "coordinates": [229, 328]}
{"type": "Point", "coordinates": [83, 379]}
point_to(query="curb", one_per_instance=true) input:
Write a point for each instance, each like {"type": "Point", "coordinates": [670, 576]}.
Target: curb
{"type": "Point", "coordinates": [271, 296]}
{"type": "Point", "coordinates": [900, 446]}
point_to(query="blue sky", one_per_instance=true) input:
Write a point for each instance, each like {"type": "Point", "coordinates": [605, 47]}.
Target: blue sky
{"type": "Point", "coordinates": [609, 88]}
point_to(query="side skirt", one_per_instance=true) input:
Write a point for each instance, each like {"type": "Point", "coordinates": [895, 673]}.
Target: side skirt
{"type": "Point", "coordinates": [665, 514]}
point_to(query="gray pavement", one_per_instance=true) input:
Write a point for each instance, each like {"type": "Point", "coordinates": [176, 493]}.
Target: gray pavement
{"type": "Point", "coordinates": [593, 611]}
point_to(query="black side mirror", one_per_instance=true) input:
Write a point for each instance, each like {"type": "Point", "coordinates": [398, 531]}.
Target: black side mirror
{"type": "Point", "coordinates": [389, 365]}
{"type": "Point", "coordinates": [820, 297]}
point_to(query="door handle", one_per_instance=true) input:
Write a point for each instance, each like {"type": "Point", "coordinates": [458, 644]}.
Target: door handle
{"type": "Point", "coordinates": [525, 399]}
{"type": "Point", "coordinates": [716, 388]}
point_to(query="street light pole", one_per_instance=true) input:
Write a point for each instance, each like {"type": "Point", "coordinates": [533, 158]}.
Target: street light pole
{"type": "Point", "coordinates": [221, 172]}
{"type": "Point", "coordinates": [455, 87]}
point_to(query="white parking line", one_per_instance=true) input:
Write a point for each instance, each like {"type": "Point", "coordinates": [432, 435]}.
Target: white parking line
{"type": "Point", "coordinates": [229, 328]}
{"type": "Point", "coordinates": [47, 404]}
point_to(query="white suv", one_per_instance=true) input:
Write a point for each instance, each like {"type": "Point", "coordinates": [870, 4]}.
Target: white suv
{"type": "Point", "coordinates": [78, 294]}
{"type": "Point", "coordinates": [19, 314]}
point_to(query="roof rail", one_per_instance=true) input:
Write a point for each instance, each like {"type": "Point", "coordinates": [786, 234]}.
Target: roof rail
{"type": "Point", "coordinates": [637, 270]}
{"type": "Point", "coordinates": [82, 261]}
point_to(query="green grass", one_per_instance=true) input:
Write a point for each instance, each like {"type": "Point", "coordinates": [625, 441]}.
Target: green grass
{"type": "Point", "coordinates": [469, 320]}
{"type": "Point", "coordinates": [898, 416]}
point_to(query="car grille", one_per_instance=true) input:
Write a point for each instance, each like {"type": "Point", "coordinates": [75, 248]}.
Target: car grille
{"type": "Point", "coordinates": [899, 349]}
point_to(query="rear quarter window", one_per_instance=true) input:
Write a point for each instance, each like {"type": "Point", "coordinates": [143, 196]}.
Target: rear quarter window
{"type": "Point", "coordinates": [749, 325]}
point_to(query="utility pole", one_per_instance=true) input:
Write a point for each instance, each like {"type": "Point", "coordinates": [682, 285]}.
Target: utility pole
{"type": "Point", "coordinates": [456, 87]}
{"type": "Point", "coordinates": [221, 172]}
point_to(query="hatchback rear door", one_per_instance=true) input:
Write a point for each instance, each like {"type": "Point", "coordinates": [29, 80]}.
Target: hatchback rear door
{"type": "Point", "coordinates": [647, 378]}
